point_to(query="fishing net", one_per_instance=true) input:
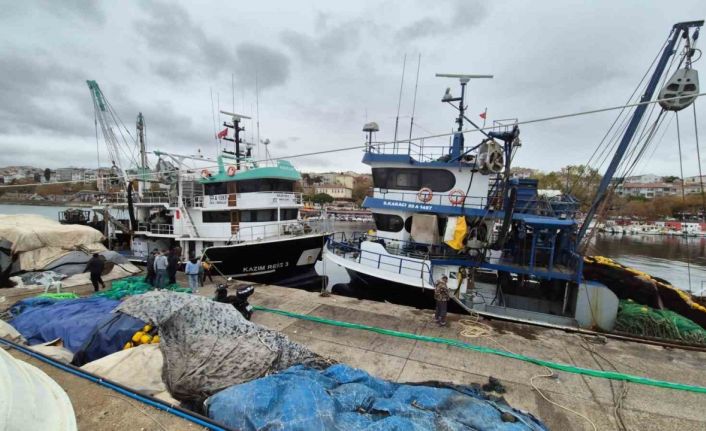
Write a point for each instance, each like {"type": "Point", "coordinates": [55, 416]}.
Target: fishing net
{"type": "Point", "coordinates": [65, 295]}
{"type": "Point", "coordinates": [134, 286]}
{"type": "Point", "coordinates": [643, 320]}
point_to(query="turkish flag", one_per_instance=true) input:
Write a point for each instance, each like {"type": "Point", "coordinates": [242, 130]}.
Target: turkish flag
{"type": "Point", "coordinates": [222, 134]}
{"type": "Point", "coordinates": [482, 115]}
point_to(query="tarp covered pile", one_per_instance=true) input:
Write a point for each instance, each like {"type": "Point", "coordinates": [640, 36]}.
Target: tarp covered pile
{"type": "Point", "coordinates": [345, 398]}
{"type": "Point", "coordinates": [42, 251]}
{"type": "Point", "coordinates": [246, 376]}
{"type": "Point", "coordinates": [209, 346]}
{"type": "Point", "coordinates": [73, 320]}
{"type": "Point", "coordinates": [39, 241]}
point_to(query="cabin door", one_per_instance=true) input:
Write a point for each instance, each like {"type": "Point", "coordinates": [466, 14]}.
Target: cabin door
{"type": "Point", "coordinates": [234, 222]}
{"type": "Point", "coordinates": [231, 194]}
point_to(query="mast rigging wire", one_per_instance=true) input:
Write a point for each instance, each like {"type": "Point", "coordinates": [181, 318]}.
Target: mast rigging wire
{"type": "Point", "coordinates": [363, 146]}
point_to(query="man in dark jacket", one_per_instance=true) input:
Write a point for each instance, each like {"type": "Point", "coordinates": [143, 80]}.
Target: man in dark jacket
{"type": "Point", "coordinates": [95, 268]}
{"type": "Point", "coordinates": [151, 274]}
{"type": "Point", "coordinates": [441, 295]}
{"type": "Point", "coordinates": [173, 264]}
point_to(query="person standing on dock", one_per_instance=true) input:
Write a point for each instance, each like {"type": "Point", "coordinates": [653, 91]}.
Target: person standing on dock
{"type": "Point", "coordinates": [95, 267]}
{"type": "Point", "coordinates": [160, 268]}
{"type": "Point", "coordinates": [151, 274]}
{"type": "Point", "coordinates": [192, 273]}
{"type": "Point", "coordinates": [173, 264]}
{"type": "Point", "coordinates": [441, 295]}
{"type": "Point", "coordinates": [206, 270]}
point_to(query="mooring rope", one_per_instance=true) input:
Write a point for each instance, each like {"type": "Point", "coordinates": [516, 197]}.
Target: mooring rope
{"type": "Point", "coordinates": [611, 375]}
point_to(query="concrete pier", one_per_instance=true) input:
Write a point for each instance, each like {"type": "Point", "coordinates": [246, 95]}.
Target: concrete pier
{"type": "Point", "coordinates": [608, 404]}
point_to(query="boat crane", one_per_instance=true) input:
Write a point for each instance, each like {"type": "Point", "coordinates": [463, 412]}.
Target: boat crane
{"type": "Point", "coordinates": [677, 86]}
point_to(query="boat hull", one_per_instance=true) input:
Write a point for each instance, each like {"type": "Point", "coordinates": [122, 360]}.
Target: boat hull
{"type": "Point", "coordinates": [285, 261]}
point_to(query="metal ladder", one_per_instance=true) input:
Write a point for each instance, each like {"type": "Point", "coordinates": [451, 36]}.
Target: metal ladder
{"type": "Point", "coordinates": [190, 228]}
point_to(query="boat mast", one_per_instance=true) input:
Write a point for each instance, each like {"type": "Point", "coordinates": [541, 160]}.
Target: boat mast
{"type": "Point", "coordinates": [236, 118]}
{"type": "Point", "coordinates": [677, 30]}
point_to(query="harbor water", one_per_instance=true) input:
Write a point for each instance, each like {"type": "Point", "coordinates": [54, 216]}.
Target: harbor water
{"type": "Point", "coordinates": [679, 260]}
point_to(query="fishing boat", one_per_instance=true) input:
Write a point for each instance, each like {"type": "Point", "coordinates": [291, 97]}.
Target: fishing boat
{"type": "Point", "coordinates": [239, 213]}
{"type": "Point", "coordinates": [454, 209]}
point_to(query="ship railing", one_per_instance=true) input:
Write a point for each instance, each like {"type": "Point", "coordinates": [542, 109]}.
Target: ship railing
{"type": "Point", "coordinates": [156, 228]}
{"type": "Point", "coordinates": [444, 198]}
{"type": "Point", "coordinates": [350, 249]}
{"type": "Point", "coordinates": [153, 198]}
{"type": "Point", "coordinates": [285, 228]}
{"type": "Point", "coordinates": [418, 150]}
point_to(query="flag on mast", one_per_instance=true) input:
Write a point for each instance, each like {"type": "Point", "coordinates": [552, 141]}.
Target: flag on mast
{"type": "Point", "coordinates": [483, 115]}
{"type": "Point", "coordinates": [222, 134]}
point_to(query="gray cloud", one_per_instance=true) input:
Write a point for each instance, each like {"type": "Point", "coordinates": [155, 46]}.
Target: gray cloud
{"type": "Point", "coordinates": [83, 9]}
{"type": "Point", "coordinates": [463, 14]}
{"type": "Point", "coordinates": [271, 66]}
{"type": "Point", "coordinates": [329, 42]}
{"type": "Point", "coordinates": [39, 95]}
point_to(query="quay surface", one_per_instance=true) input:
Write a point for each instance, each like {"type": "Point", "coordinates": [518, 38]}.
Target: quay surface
{"type": "Point", "coordinates": [608, 404]}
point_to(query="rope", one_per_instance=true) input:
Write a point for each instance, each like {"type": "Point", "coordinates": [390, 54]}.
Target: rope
{"type": "Point", "coordinates": [683, 199]}
{"type": "Point", "coordinates": [610, 375]}
{"type": "Point", "coordinates": [698, 159]}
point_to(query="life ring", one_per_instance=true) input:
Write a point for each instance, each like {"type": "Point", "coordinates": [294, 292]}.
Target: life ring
{"type": "Point", "coordinates": [456, 197]}
{"type": "Point", "coordinates": [231, 170]}
{"type": "Point", "coordinates": [425, 194]}
{"type": "Point", "coordinates": [205, 173]}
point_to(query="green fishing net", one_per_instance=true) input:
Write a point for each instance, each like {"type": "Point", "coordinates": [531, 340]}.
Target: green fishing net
{"type": "Point", "coordinates": [643, 320]}
{"type": "Point", "coordinates": [134, 286]}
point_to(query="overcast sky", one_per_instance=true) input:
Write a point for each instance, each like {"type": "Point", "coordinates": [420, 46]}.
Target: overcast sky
{"type": "Point", "coordinates": [323, 69]}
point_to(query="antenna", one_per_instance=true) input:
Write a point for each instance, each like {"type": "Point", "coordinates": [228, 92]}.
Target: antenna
{"type": "Point", "coordinates": [463, 78]}
{"type": "Point", "coordinates": [414, 103]}
{"type": "Point", "coordinates": [215, 128]}
{"type": "Point", "coordinates": [237, 118]}
{"type": "Point", "coordinates": [257, 106]}
{"type": "Point", "coordinates": [399, 100]}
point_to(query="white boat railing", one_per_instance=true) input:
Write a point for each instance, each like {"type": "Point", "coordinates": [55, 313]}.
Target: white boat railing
{"type": "Point", "coordinates": [156, 228]}
{"type": "Point", "coordinates": [269, 231]}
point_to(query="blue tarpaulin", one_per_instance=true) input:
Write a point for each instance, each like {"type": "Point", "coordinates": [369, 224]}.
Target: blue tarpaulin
{"type": "Point", "coordinates": [30, 303]}
{"type": "Point", "coordinates": [71, 320]}
{"type": "Point", "coordinates": [345, 398]}
{"type": "Point", "coordinates": [109, 336]}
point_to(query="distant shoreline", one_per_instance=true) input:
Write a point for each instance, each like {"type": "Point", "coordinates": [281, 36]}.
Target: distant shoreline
{"type": "Point", "coordinates": [48, 203]}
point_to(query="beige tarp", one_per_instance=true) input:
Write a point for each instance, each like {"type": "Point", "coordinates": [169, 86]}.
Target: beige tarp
{"type": "Point", "coordinates": [139, 368]}
{"type": "Point", "coordinates": [40, 240]}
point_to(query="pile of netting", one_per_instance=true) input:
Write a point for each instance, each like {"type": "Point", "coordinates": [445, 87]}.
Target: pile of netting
{"type": "Point", "coordinates": [647, 321]}
{"type": "Point", "coordinates": [134, 286]}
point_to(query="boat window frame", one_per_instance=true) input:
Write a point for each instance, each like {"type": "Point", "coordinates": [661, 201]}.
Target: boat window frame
{"type": "Point", "coordinates": [418, 178]}
{"type": "Point", "coordinates": [388, 225]}
{"type": "Point", "coordinates": [212, 219]}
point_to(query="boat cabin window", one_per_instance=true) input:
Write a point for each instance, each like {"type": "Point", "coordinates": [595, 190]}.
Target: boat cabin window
{"type": "Point", "coordinates": [288, 214]}
{"type": "Point", "coordinates": [265, 185]}
{"type": "Point", "coordinates": [215, 189]}
{"type": "Point", "coordinates": [438, 180]}
{"type": "Point", "coordinates": [388, 222]}
{"type": "Point", "coordinates": [252, 216]}
{"type": "Point", "coordinates": [216, 216]}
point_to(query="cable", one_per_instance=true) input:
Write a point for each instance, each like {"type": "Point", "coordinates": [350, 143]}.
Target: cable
{"type": "Point", "coordinates": [355, 147]}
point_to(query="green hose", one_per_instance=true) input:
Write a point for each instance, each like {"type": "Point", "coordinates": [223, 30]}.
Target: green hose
{"type": "Point", "coordinates": [612, 375]}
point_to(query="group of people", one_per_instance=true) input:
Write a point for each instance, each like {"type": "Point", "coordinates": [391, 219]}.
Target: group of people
{"type": "Point", "coordinates": [162, 267]}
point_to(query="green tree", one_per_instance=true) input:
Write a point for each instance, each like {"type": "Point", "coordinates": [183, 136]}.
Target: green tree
{"type": "Point", "coordinates": [321, 198]}
{"type": "Point", "coordinates": [47, 174]}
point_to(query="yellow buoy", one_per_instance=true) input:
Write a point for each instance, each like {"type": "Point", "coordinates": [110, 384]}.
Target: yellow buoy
{"type": "Point", "coordinates": [138, 335]}
{"type": "Point", "coordinates": [155, 339]}
{"type": "Point", "coordinates": [145, 339]}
